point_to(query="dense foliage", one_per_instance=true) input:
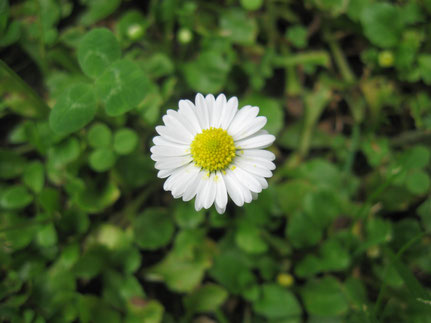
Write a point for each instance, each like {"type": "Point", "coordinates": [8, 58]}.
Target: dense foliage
{"type": "Point", "coordinates": [342, 234]}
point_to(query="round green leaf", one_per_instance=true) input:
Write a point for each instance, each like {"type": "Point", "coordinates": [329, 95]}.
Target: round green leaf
{"type": "Point", "coordinates": [207, 73]}
{"type": "Point", "coordinates": [323, 297]}
{"type": "Point", "coordinates": [34, 176]}
{"type": "Point", "coordinates": [15, 197]}
{"type": "Point", "coordinates": [125, 141]}
{"type": "Point", "coordinates": [382, 24]}
{"type": "Point", "coordinates": [418, 182]}
{"type": "Point", "coordinates": [277, 302]}
{"type": "Point", "coordinates": [153, 229]}
{"type": "Point", "coordinates": [64, 153]}
{"type": "Point", "coordinates": [122, 87]}
{"type": "Point", "coordinates": [102, 159]}
{"type": "Point", "coordinates": [97, 50]}
{"type": "Point", "coordinates": [186, 216]}
{"type": "Point", "coordinates": [238, 27]}
{"type": "Point", "coordinates": [74, 109]}
{"type": "Point", "coordinates": [251, 4]}
{"type": "Point", "coordinates": [248, 238]}
{"type": "Point", "coordinates": [99, 136]}
{"type": "Point", "coordinates": [47, 236]}
{"type": "Point", "coordinates": [207, 298]}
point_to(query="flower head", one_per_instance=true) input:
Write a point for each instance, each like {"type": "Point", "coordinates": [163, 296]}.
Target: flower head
{"type": "Point", "coordinates": [212, 149]}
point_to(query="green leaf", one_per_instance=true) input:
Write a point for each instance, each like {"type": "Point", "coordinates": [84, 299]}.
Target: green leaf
{"type": "Point", "coordinates": [74, 109]}
{"type": "Point", "coordinates": [97, 50]}
{"type": "Point", "coordinates": [99, 136]}
{"type": "Point", "coordinates": [122, 87]}
{"type": "Point", "coordinates": [302, 232]}
{"type": "Point", "coordinates": [382, 24]}
{"type": "Point", "coordinates": [424, 211]}
{"type": "Point", "coordinates": [11, 164]}
{"type": "Point", "coordinates": [418, 182]}
{"type": "Point", "coordinates": [125, 141]}
{"type": "Point", "coordinates": [184, 267]}
{"type": "Point", "coordinates": [15, 197]}
{"type": "Point", "coordinates": [47, 236]}
{"type": "Point", "coordinates": [98, 9]}
{"type": "Point", "coordinates": [238, 27]}
{"type": "Point", "coordinates": [34, 176]}
{"type": "Point", "coordinates": [64, 153]}
{"type": "Point", "coordinates": [424, 61]}
{"type": "Point", "coordinates": [96, 197]}
{"type": "Point", "coordinates": [248, 238]}
{"type": "Point", "coordinates": [93, 309]}
{"type": "Point", "coordinates": [136, 169]}
{"type": "Point", "coordinates": [297, 35]}
{"type": "Point", "coordinates": [20, 233]}
{"type": "Point", "coordinates": [324, 297]}
{"type": "Point", "coordinates": [277, 302]}
{"type": "Point", "coordinates": [207, 73]}
{"type": "Point", "coordinates": [415, 157]}
{"type": "Point", "coordinates": [102, 159]}
{"type": "Point", "coordinates": [207, 298]}
{"type": "Point", "coordinates": [186, 216]}
{"type": "Point", "coordinates": [153, 229]}
{"type": "Point", "coordinates": [232, 270]}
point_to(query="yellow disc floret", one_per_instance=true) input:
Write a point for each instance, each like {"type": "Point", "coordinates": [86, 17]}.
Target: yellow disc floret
{"type": "Point", "coordinates": [213, 149]}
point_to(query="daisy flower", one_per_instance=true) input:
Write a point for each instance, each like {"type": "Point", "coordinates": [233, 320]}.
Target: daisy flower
{"type": "Point", "coordinates": [211, 150]}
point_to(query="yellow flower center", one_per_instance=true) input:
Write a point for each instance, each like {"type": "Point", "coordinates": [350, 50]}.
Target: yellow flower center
{"type": "Point", "coordinates": [213, 149]}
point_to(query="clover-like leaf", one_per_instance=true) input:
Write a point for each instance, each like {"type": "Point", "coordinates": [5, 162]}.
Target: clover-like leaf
{"type": "Point", "coordinates": [122, 87]}
{"type": "Point", "coordinates": [97, 50]}
{"type": "Point", "coordinates": [74, 109]}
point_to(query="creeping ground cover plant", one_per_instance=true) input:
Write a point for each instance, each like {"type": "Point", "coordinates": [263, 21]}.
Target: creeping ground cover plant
{"type": "Point", "coordinates": [193, 161]}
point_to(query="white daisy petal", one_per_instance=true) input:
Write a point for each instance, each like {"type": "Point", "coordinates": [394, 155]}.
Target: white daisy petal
{"type": "Point", "coordinates": [202, 111]}
{"type": "Point", "coordinates": [242, 119]}
{"type": "Point", "coordinates": [250, 128]}
{"type": "Point", "coordinates": [210, 102]}
{"type": "Point", "coordinates": [220, 210]}
{"type": "Point", "coordinates": [173, 162]}
{"type": "Point", "coordinates": [209, 192]}
{"type": "Point", "coordinates": [246, 179]}
{"type": "Point", "coordinates": [261, 162]}
{"type": "Point", "coordinates": [229, 112]}
{"type": "Point", "coordinates": [173, 135]}
{"type": "Point", "coordinates": [259, 153]}
{"type": "Point", "coordinates": [180, 186]}
{"type": "Point", "coordinates": [165, 172]}
{"type": "Point", "coordinates": [184, 121]}
{"type": "Point", "coordinates": [253, 168]}
{"type": "Point", "coordinates": [174, 123]}
{"type": "Point", "coordinates": [233, 189]}
{"type": "Point", "coordinates": [263, 182]}
{"type": "Point", "coordinates": [221, 197]}
{"type": "Point", "coordinates": [170, 151]}
{"type": "Point", "coordinates": [220, 103]}
{"type": "Point", "coordinates": [254, 142]}
{"type": "Point", "coordinates": [192, 187]}
{"type": "Point", "coordinates": [188, 109]}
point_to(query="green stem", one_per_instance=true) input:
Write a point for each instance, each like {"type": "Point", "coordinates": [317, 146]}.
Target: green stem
{"type": "Point", "coordinates": [13, 82]}
{"type": "Point", "coordinates": [355, 143]}
{"type": "Point", "coordinates": [340, 59]}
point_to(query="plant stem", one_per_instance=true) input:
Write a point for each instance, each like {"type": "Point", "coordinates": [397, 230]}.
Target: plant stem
{"type": "Point", "coordinates": [10, 81]}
